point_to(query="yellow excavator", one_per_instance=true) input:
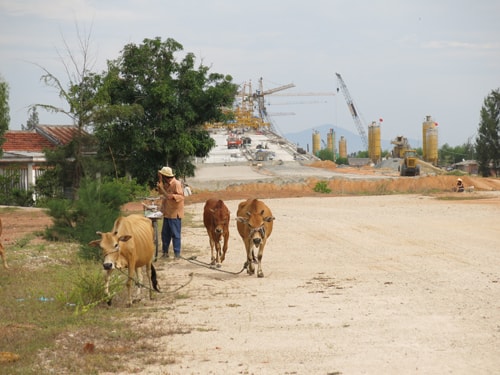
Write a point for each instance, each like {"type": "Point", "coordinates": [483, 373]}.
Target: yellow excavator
{"type": "Point", "coordinates": [409, 166]}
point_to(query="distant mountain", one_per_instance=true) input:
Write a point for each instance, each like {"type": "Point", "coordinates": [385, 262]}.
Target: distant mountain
{"type": "Point", "coordinates": [354, 143]}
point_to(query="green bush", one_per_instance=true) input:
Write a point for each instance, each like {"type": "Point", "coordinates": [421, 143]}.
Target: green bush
{"type": "Point", "coordinates": [342, 161]}
{"type": "Point", "coordinates": [48, 186]}
{"type": "Point", "coordinates": [88, 287]}
{"type": "Point", "coordinates": [10, 192]}
{"type": "Point", "coordinates": [322, 187]}
{"type": "Point", "coordinates": [96, 208]}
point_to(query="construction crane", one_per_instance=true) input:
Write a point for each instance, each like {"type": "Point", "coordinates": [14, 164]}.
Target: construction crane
{"type": "Point", "coordinates": [268, 117]}
{"type": "Point", "coordinates": [354, 112]}
{"type": "Point", "coordinates": [259, 97]}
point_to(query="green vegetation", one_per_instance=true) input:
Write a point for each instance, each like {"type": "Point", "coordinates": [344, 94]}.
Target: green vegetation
{"type": "Point", "coordinates": [45, 298]}
{"type": "Point", "coordinates": [325, 154]}
{"type": "Point", "coordinates": [10, 194]}
{"type": "Point", "coordinates": [322, 187]}
{"type": "Point", "coordinates": [4, 111]}
{"type": "Point", "coordinates": [96, 209]}
{"type": "Point", "coordinates": [54, 314]}
{"type": "Point", "coordinates": [488, 138]}
{"type": "Point", "coordinates": [450, 155]}
{"type": "Point", "coordinates": [342, 161]}
{"type": "Point", "coordinates": [146, 111]}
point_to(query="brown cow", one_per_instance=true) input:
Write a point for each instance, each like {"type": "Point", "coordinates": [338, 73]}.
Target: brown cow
{"type": "Point", "coordinates": [2, 250]}
{"type": "Point", "coordinates": [130, 245]}
{"type": "Point", "coordinates": [255, 225]}
{"type": "Point", "coordinates": [216, 219]}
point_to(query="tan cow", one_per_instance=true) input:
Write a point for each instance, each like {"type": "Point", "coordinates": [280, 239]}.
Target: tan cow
{"type": "Point", "coordinates": [129, 245]}
{"type": "Point", "coordinates": [255, 225]}
{"type": "Point", "coordinates": [216, 217]}
{"type": "Point", "coordinates": [2, 249]}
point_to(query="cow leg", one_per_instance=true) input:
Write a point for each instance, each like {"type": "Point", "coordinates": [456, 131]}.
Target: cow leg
{"type": "Point", "coordinates": [250, 266]}
{"type": "Point", "coordinates": [131, 279]}
{"type": "Point", "coordinates": [212, 245]}
{"type": "Point", "coordinates": [148, 274]}
{"type": "Point", "coordinates": [224, 247]}
{"type": "Point", "coordinates": [217, 252]}
{"type": "Point", "coordinates": [259, 261]}
{"type": "Point", "coordinates": [2, 254]}
{"type": "Point", "coordinates": [137, 283]}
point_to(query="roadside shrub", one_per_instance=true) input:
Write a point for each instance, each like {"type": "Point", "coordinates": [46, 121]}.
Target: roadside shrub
{"type": "Point", "coordinates": [48, 186]}
{"type": "Point", "coordinates": [11, 194]}
{"type": "Point", "coordinates": [88, 287]}
{"type": "Point", "coordinates": [456, 172]}
{"type": "Point", "coordinates": [342, 161]}
{"type": "Point", "coordinates": [322, 187]}
{"type": "Point", "coordinates": [18, 197]}
{"type": "Point", "coordinates": [96, 208]}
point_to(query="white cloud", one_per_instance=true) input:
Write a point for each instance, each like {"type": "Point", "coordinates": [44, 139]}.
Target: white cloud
{"type": "Point", "coordinates": [443, 44]}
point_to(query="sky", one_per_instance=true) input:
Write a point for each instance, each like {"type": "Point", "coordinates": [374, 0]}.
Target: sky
{"type": "Point", "coordinates": [401, 60]}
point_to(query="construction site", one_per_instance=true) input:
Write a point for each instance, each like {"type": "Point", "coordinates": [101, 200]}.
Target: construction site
{"type": "Point", "coordinates": [251, 136]}
{"type": "Point", "coordinates": [249, 148]}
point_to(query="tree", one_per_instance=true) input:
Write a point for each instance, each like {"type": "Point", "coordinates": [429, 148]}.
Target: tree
{"type": "Point", "coordinates": [80, 93]}
{"type": "Point", "coordinates": [156, 108]}
{"type": "Point", "coordinates": [451, 155]}
{"type": "Point", "coordinates": [488, 138]}
{"type": "Point", "coordinates": [4, 111]}
{"type": "Point", "coordinates": [33, 120]}
{"type": "Point", "coordinates": [325, 154]}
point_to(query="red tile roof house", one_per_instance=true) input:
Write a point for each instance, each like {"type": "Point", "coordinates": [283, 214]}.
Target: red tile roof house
{"type": "Point", "coordinates": [23, 150]}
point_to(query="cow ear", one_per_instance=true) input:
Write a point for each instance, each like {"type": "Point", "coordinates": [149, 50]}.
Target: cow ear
{"type": "Point", "coordinates": [96, 243]}
{"type": "Point", "coordinates": [125, 238]}
{"type": "Point", "coordinates": [269, 218]}
{"type": "Point", "coordinates": [241, 219]}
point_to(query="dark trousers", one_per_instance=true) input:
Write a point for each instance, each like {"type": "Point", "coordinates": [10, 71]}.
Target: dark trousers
{"type": "Point", "coordinates": [171, 232]}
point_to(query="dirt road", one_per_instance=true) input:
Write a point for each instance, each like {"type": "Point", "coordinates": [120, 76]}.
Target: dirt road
{"type": "Point", "coordinates": [404, 284]}
{"type": "Point", "coordinates": [388, 284]}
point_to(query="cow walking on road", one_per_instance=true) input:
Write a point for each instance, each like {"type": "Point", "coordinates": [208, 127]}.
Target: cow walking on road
{"type": "Point", "coordinates": [129, 245]}
{"type": "Point", "coordinates": [216, 218]}
{"type": "Point", "coordinates": [255, 225]}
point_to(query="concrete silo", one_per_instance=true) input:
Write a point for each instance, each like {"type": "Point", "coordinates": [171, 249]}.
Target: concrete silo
{"type": "Point", "coordinates": [316, 142]}
{"type": "Point", "coordinates": [429, 123]}
{"type": "Point", "coordinates": [432, 145]}
{"type": "Point", "coordinates": [330, 141]}
{"type": "Point", "coordinates": [374, 145]}
{"type": "Point", "coordinates": [343, 147]}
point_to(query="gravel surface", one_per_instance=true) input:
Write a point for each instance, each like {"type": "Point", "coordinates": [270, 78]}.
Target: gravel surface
{"type": "Point", "coordinates": [404, 284]}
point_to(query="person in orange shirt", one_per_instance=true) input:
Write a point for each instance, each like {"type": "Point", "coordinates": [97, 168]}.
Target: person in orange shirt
{"type": "Point", "coordinates": [172, 207]}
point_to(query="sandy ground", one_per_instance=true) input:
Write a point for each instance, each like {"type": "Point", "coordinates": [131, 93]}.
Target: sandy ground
{"type": "Point", "coordinates": [403, 284]}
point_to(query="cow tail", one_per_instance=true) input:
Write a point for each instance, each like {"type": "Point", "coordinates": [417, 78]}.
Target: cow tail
{"type": "Point", "coordinates": [153, 279]}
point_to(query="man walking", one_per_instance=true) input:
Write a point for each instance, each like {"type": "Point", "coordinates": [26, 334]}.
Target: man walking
{"type": "Point", "coordinates": [172, 208]}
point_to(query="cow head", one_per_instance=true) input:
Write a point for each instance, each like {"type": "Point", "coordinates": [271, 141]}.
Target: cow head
{"type": "Point", "coordinates": [110, 245]}
{"type": "Point", "coordinates": [220, 219]}
{"type": "Point", "coordinates": [256, 226]}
